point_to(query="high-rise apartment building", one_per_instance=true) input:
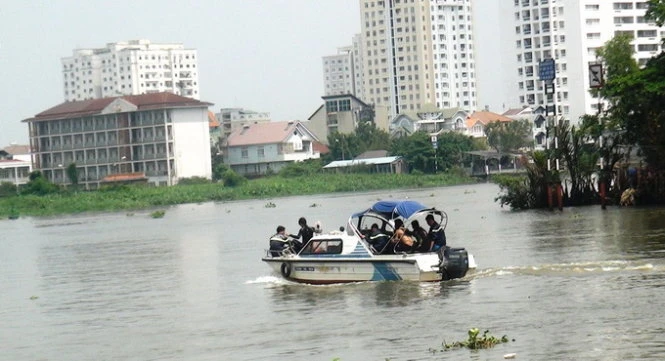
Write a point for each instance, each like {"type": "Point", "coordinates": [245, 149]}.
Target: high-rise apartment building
{"type": "Point", "coordinates": [418, 52]}
{"type": "Point", "coordinates": [130, 68]}
{"type": "Point", "coordinates": [570, 31]}
{"type": "Point", "coordinates": [338, 72]}
{"type": "Point", "coordinates": [342, 72]}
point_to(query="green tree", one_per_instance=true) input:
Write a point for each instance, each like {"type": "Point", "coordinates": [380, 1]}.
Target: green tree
{"type": "Point", "coordinates": [450, 149]}
{"type": "Point", "coordinates": [511, 136]}
{"type": "Point", "coordinates": [640, 110]}
{"type": "Point", "coordinates": [417, 150]}
{"type": "Point", "coordinates": [656, 11]}
{"type": "Point", "coordinates": [636, 113]}
{"type": "Point", "coordinates": [617, 57]}
{"type": "Point", "coordinates": [372, 138]}
{"type": "Point", "coordinates": [73, 174]}
{"type": "Point", "coordinates": [348, 146]}
{"type": "Point", "coordinates": [217, 163]}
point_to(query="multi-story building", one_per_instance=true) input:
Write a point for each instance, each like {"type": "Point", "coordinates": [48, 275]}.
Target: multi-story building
{"type": "Point", "coordinates": [235, 118]}
{"type": "Point", "coordinates": [130, 68]}
{"type": "Point", "coordinates": [342, 72]}
{"type": "Point", "coordinates": [570, 31]}
{"type": "Point", "coordinates": [162, 137]}
{"type": "Point", "coordinates": [338, 72]}
{"type": "Point", "coordinates": [417, 53]}
{"type": "Point", "coordinates": [342, 114]}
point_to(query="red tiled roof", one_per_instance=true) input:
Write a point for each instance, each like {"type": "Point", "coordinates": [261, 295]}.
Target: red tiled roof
{"type": "Point", "coordinates": [485, 117]}
{"type": "Point", "coordinates": [95, 106]}
{"type": "Point", "coordinates": [512, 111]}
{"type": "Point", "coordinates": [212, 120]}
{"type": "Point", "coordinates": [17, 149]}
{"type": "Point", "coordinates": [262, 133]}
{"type": "Point", "coordinates": [320, 148]}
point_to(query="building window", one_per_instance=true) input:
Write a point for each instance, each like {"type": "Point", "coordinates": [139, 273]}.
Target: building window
{"type": "Point", "coordinates": [244, 153]}
{"type": "Point", "coordinates": [260, 152]}
{"type": "Point", "coordinates": [331, 106]}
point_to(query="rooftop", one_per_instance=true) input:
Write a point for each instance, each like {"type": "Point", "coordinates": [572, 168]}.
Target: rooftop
{"type": "Point", "coordinates": [97, 106]}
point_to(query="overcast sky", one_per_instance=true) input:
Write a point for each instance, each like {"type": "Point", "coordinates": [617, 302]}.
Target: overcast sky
{"type": "Point", "coordinates": [263, 55]}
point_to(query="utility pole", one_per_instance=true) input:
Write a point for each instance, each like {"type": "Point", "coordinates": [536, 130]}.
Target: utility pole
{"type": "Point", "coordinates": [596, 81]}
{"type": "Point", "coordinates": [547, 74]}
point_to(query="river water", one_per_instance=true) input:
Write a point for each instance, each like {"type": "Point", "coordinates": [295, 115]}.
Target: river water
{"type": "Point", "coordinates": [582, 284]}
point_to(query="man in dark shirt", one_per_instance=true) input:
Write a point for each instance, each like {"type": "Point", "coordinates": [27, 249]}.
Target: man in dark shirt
{"type": "Point", "coordinates": [377, 239]}
{"type": "Point", "coordinates": [436, 233]}
{"type": "Point", "coordinates": [306, 232]}
{"type": "Point", "coordinates": [279, 242]}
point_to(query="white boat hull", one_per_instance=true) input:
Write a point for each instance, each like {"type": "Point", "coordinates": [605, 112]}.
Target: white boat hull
{"type": "Point", "coordinates": [423, 267]}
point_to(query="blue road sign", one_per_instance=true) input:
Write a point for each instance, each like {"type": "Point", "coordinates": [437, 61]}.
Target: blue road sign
{"type": "Point", "coordinates": [547, 69]}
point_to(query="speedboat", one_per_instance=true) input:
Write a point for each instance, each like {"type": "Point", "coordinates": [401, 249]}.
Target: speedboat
{"type": "Point", "coordinates": [351, 255]}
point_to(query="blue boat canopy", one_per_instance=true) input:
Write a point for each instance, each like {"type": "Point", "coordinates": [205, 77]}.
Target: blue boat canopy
{"type": "Point", "coordinates": [393, 209]}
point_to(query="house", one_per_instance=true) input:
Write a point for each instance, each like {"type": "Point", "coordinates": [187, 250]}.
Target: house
{"type": "Point", "coordinates": [430, 119]}
{"type": "Point", "coordinates": [474, 124]}
{"type": "Point", "coordinates": [258, 149]}
{"type": "Point", "coordinates": [342, 113]}
{"type": "Point", "coordinates": [16, 152]}
{"type": "Point", "coordinates": [538, 122]}
{"type": "Point", "coordinates": [394, 164]}
{"type": "Point", "coordinates": [15, 164]}
{"type": "Point", "coordinates": [164, 136]}
{"type": "Point", "coordinates": [402, 126]}
{"type": "Point", "coordinates": [15, 171]}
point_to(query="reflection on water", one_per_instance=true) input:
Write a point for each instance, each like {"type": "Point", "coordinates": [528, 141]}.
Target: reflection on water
{"type": "Point", "coordinates": [578, 284]}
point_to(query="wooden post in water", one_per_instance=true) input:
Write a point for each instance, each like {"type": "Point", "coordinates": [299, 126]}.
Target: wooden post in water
{"type": "Point", "coordinates": [602, 192]}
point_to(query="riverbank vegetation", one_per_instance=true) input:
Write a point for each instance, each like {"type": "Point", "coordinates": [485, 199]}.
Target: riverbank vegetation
{"type": "Point", "coordinates": [612, 157]}
{"type": "Point", "coordinates": [43, 199]}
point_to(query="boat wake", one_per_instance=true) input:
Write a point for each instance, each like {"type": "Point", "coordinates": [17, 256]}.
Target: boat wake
{"type": "Point", "coordinates": [567, 269]}
{"type": "Point", "coordinates": [266, 279]}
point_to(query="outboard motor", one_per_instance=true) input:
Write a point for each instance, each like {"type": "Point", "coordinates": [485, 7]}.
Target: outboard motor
{"type": "Point", "coordinates": [454, 262]}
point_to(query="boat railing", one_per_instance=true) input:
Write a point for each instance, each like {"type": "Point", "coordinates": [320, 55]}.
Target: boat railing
{"type": "Point", "coordinates": [280, 253]}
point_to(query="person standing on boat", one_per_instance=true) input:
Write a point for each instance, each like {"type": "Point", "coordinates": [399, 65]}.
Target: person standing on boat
{"type": "Point", "coordinates": [305, 233]}
{"type": "Point", "coordinates": [279, 242]}
{"type": "Point", "coordinates": [436, 233]}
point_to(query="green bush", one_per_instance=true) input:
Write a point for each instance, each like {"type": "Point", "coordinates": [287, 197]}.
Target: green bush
{"type": "Point", "coordinates": [301, 169]}
{"type": "Point", "coordinates": [218, 171]}
{"type": "Point", "coordinates": [7, 189]}
{"type": "Point", "coordinates": [193, 180]}
{"type": "Point", "coordinates": [232, 179]}
{"type": "Point", "coordinates": [515, 191]}
{"type": "Point", "coordinates": [39, 185]}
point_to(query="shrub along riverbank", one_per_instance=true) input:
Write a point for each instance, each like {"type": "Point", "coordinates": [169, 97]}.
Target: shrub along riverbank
{"type": "Point", "coordinates": [141, 197]}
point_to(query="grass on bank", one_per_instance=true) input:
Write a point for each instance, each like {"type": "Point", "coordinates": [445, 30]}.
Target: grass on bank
{"type": "Point", "coordinates": [143, 197]}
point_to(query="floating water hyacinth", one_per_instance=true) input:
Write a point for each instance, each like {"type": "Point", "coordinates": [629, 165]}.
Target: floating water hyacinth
{"type": "Point", "coordinates": [474, 342]}
{"type": "Point", "coordinates": [158, 214]}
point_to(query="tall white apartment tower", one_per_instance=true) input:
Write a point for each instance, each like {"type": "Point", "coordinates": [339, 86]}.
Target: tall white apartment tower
{"type": "Point", "coordinates": [338, 72]}
{"type": "Point", "coordinates": [130, 68]}
{"type": "Point", "coordinates": [342, 72]}
{"type": "Point", "coordinates": [570, 31]}
{"type": "Point", "coordinates": [418, 52]}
